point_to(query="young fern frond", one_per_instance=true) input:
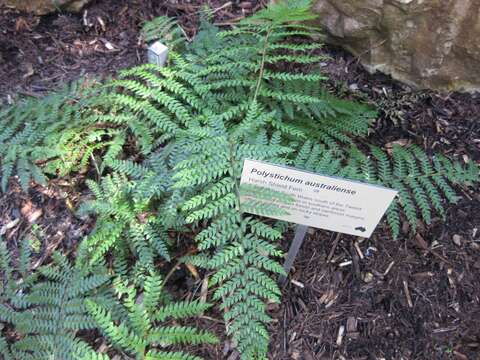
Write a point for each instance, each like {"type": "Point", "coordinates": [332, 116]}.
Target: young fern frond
{"type": "Point", "coordinates": [164, 29]}
{"type": "Point", "coordinates": [124, 219]}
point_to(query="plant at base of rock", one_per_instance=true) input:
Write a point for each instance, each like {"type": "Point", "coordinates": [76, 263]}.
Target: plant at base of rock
{"type": "Point", "coordinates": [241, 94]}
{"type": "Point", "coordinates": [144, 331]}
{"type": "Point", "coordinates": [394, 107]}
{"type": "Point", "coordinates": [46, 308]}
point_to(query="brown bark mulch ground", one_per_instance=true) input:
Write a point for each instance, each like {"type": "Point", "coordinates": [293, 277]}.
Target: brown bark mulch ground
{"type": "Point", "coordinates": [414, 298]}
{"type": "Point", "coordinates": [38, 54]}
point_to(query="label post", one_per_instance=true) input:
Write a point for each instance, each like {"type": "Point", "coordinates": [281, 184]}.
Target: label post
{"type": "Point", "coordinates": [297, 242]}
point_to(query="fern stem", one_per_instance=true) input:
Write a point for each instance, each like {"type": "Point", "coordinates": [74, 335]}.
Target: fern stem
{"type": "Point", "coordinates": [234, 175]}
{"type": "Point", "coordinates": [262, 64]}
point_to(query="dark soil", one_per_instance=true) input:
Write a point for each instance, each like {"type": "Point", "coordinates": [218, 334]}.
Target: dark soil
{"type": "Point", "coordinates": [414, 298]}
{"type": "Point", "coordinates": [38, 54]}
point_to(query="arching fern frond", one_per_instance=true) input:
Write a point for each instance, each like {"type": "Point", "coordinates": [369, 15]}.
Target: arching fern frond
{"type": "Point", "coordinates": [145, 332]}
{"type": "Point", "coordinates": [47, 308]}
{"type": "Point", "coordinates": [424, 183]}
{"type": "Point", "coordinates": [242, 250]}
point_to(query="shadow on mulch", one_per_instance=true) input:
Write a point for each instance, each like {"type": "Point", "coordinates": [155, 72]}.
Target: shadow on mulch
{"type": "Point", "coordinates": [45, 216]}
{"type": "Point", "coordinates": [414, 298]}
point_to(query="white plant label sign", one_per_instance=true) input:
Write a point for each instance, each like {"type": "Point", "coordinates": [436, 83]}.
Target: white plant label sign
{"type": "Point", "coordinates": [322, 202]}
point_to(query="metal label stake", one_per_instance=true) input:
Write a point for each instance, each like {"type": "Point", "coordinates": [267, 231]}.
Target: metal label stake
{"type": "Point", "coordinates": [297, 242]}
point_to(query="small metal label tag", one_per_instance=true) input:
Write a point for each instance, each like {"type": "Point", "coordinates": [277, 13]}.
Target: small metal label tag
{"type": "Point", "coordinates": [157, 53]}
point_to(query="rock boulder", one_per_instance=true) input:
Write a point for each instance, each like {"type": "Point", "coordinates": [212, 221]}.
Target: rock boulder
{"type": "Point", "coordinates": [425, 43]}
{"type": "Point", "coordinates": [42, 7]}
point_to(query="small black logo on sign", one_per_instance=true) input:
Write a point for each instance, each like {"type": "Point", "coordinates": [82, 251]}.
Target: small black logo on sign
{"type": "Point", "coordinates": [360, 228]}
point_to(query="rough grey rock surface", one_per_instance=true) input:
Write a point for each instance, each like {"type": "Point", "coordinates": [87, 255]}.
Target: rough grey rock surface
{"type": "Point", "coordinates": [43, 7]}
{"type": "Point", "coordinates": [425, 43]}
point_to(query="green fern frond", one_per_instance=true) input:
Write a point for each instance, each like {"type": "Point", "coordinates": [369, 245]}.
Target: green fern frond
{"type": "Point", "coordinates": [48, 311]}
{"type": "Point", "coordinates": [145, 328]}
{"type": "Point", "coordinates": [124, 219]}
{"type": "Point", "coordinates": [164, 29]}
{"type": "Point", "coordinates": [423, 183]}
{"type": "Point", "coordinates": [284, 11]}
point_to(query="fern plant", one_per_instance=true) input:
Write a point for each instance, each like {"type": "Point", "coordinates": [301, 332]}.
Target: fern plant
{"type": "Point", "coordinates": [240, 94]}
{"type": "Point", "coordinates": [46, 307]}
{"type": "Point", "coordinates": [144, 331]}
